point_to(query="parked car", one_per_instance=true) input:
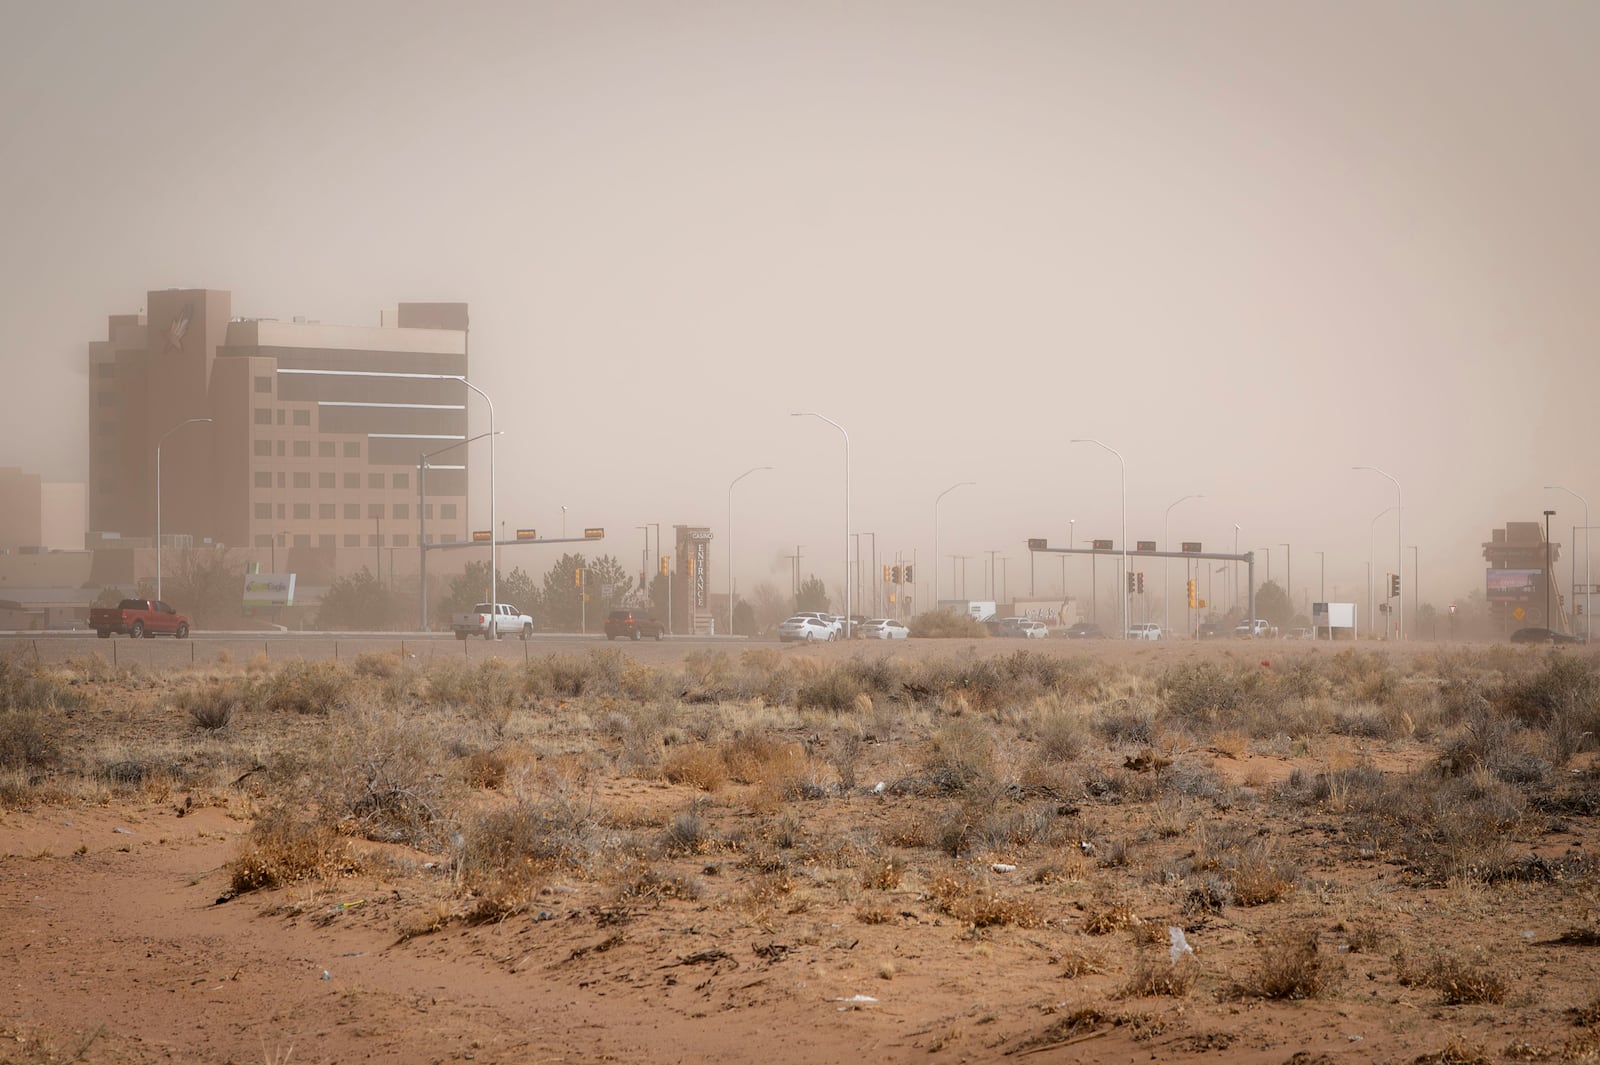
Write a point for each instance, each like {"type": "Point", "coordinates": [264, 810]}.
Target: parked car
{"type": "Point", "coordinates": [806, 629]}
{"type": "Point", "coordinates": [833, 621]}
{"type": "Point", "coordinates": [633, 624]}
{"type": "Point", "coordinates": [138, 618]}
{"type": "Point", "coordinates": [491, 621]}
{"type": "Point", "coordinates": [1024, 628]}
{"type": "Point", "coordinates": [1537, 635]}
{"type": "Point", "coordinates": [1300, 633]}
{"type": "Point", "coordinates": [1254, 629]}
{"type": "Point", "coordinates": [1211, 630]}
{"type": "Point", "coordinates": [1085, 630]}
{"type": "Point", "coordinates": [1144, 630]}
{"type": "Point", "coordinates": [882, 629]}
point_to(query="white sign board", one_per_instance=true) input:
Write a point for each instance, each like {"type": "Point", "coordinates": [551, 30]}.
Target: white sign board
{"type": "Point", "coordinates": [269, 589]}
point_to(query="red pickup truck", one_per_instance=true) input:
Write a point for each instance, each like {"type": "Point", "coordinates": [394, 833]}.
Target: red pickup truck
{"type": "Point", "coordinates": [138, 618]}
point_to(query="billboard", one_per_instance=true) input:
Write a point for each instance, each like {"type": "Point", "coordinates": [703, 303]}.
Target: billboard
{"type": "Point", "coordinates": [268, 589]}
{"type": "Point", "coordinates": [1511, 583]}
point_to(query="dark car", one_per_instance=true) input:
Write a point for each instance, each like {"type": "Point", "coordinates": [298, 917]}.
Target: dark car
{"type": "Point", "coordinates": [1212, 630]}
{"type": "Point", "coordinates": [634, 624]}
{"type": "Point", "coordinates": [1537, 635]}
{"type": "Point", "coordinates": [1085, 630]}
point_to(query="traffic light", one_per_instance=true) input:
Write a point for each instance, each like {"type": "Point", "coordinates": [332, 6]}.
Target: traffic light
{"type": "Point", "coordinates": [1131, 582]}
{"type": "Point", "coordinates": [1394, 585]}
{"type": "Point", "coordinates": [886, 573]}
{"type": "Point", "coordinates": [1141, 584]}
{"type": "Point", "coordinates": [577, 577]}
{"type": "Point", "coordinates": [909, 579]}
{"type": "Point", "coordinates": [666, 565]}
{"type": "Point", "coordinates": [895, 571]}
{"type": "Point", "coordinates": [1191, 593]}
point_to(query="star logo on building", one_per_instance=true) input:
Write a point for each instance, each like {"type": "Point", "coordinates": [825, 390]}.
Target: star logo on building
{"type": "Point", "coordinates": [178, 327]}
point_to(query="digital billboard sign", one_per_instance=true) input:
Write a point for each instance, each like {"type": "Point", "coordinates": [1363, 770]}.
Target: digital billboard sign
{"type": "Point", "coordinates": [1511, 583]}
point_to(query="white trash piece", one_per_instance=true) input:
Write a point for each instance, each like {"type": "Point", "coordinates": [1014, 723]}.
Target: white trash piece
{"type": "Point", "coordinates": [1180, 946]}
{"type": "Point", "coordinates": [1002, 867]}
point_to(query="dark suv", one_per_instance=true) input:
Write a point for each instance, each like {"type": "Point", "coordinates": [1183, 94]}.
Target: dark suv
{"type": "Point", "coordinates": [633, 624]}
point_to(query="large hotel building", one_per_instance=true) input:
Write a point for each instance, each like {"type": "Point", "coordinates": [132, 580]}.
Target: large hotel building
{"type": "Point", "coordinates": [315, 433]}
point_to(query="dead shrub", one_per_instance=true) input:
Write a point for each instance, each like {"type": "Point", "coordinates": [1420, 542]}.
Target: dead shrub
{"type": "Point", "coordinates": [757, 759]}
{"type": "Point", "coordinates": [1155, 973]}
{"type": "Point", "coordinates": [959, 755]}
{"type": "Point", "coordinates": [1062, 737]}
{"type": "Point", "coordinates": [885, 874]}
{"type": "Point", "coordinates": [697, 766]}
{"type": "Point", "coordinates": [971, 901]}
{"type": "Point", "coordinates": [946, 624]}
{"type": "Point", "coordinates": [644, 884]}
{"type": "Point", "coordinates": [212, 708]}
{"type": "Point", "coordinates": [1459, 980]}
{"type": "Point", "coordinates": [281, 849]}
{"type": "Point", "coordinates": [486, 692]}
{"type": "Point", "coordinates": [27, 739]}
{"type": "Point", "coordinates": [688, 833]}
{"type": "Point", "coordinates": [302, 687]}
{"type": "Point", "coordinates": [1291, 965]}
{"type": "Point", "coordinates": [486, 769]}
{"type": "Point", "coordinates": [1455, 1052]}
{"type": "Point", "coordinates": [1259, 876]}
{"type": "Point", "coordinates": [30, 686]}
{"type": "Point", "coordinates": [1106, 917]}
{"type": "Point", "coordinates": [506, 855]}
{"type": "Point", "coordinates": [874, 914]}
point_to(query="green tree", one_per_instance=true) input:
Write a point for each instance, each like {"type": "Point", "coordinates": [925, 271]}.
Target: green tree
{"type": "Point", "coordinates": [1272, 605]}
{"type": "Point", "coordinates": [359, 601]}
{"type": "Point", "coordinates": [466, 591]}
{"type": "Point", "coordinates": [813, 597]}
{"type": "Point", "coordinates": [521, 592]}
{"type": "Point", "coordinates": [771, 606]}
{"type": "Point", "coordinates": [562, 607]}
{"type": "Point", "coordinates": [744, 619]}
{"type": "Point", "coordinates": [207, 584]}
{"type": "Point", "coordinates": [109, 596]}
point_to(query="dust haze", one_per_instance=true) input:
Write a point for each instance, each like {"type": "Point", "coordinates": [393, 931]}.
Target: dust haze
{"type": "Point", "coordinates": [1249, 245]}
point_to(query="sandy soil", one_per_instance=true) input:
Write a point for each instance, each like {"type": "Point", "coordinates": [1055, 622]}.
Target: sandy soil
{"type": "Point", "coordinates": [116, 948]}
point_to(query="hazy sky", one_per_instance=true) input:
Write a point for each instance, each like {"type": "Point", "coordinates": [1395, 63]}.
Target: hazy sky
{"type": "Point", "coordinates": [1250, 245]}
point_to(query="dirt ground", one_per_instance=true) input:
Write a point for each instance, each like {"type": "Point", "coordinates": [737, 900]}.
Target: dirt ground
{"type": "Point", "coordinates": [119, 941]}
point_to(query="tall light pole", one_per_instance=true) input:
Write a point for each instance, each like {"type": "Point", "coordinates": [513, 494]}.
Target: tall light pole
{"type": "Point", "coordinates": [1588, 612]}
{"type": "Point", "coordinates": [494, 551]}
{"type": "Point", "coordinates": [941, 495]}
{"type": "Point", "coordinates": [1416, 588]}
{"type": "Point", "coordinates": [1123, 580]}
{"type": "Point", "coordinates": [644, 560]}
{"type": "Point", "coordinates": [735, 481]}
{"type": "Point", "coordinates": [563, 521]}
{"type": "Point", "coordinates": [846, 435]}
{"type": "Point", "coordinates": [1548, 620]}
{"type": "Point", "coordinates": [422, 524]}
{"type": "Point", "coordinates": [1399, 539]}
{"type": "Point", "coordinates": [1166, 567]}
{"type": "Point", "coordinates": [1288, 575]}
{"type": "Point", "coordinates": [1372, 563]}
{"type": "Point", "coordinates": [159, 441]}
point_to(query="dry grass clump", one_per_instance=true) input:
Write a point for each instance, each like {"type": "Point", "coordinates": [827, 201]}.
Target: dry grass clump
{"type": "Point", "coordinates": [506, 855]}
{"type": "Point", "coordinates": [26, 686]}
{"type": "Point", "coordinates": [213, 707]}
{"type": "Point", "coordinates": [1459, 980]}
{"type": "Point", "coordinates": [944, 624]}
{"type": "Point", "coordinates": [1107, 917]}
{"type": "Point", "coordinates": [1291, 965]}
{"type": "Point", "coordinates": [1455, 1052]}
{"type": "Point", "coordinates": [959, 755]}
{"type": "Point", "coordinates": [302, 687]}
{"type": "Point", "coordinates": [884, 874]}
{"type": "Point", "coordinates": [697, 766]}
{"type": "Point", "coordinates": [282, 849]}
{"type": "Point", "coordinates": [486, 692]}
{"type": "Point", "coordinates": [970, 900]}
{"type": "Point", "coordinates": [378, 776]}
{"type": "Point", "coordinates": [1259, 876]}
{"type": "Point", "coordinates": [27, 739]}
{"type": "Point", "coordinates": [1172, 974]}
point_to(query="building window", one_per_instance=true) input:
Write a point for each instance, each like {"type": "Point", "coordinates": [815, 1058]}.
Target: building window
{"type": "Point", "coordinates": [447, 511]}
{"type": "Point", "coordinates": [263, 478]}
{"type": "Point", "coordinates": [374, 480]}
{"type": "Point", "coordinates": [280, 479]}
{"type": "Point", "coordinates": [324, 449]}
{"type": "Point", "coordinates": [263, 449]}
{"type": "Point", "coordinates": [263, 540]}
{"type": "Point", "coordinates": [280, 449]}
{"type": "Point", "coordinates": [280, 416]}
{"type": "Point", "coordinates": [402, 480]}
{"type": "Point", "coordinates": [352, 449]}
{"type": "Point", "coordinates": [374, 510]}
{"type": "Point", "coordinates": [374, 540]}
{"type": "Point", "coordinates": [325, 511]}
{"type": "Point", "coordinates": [302, 540]}
{"type": "Point", "coordinates": [427, 510]}
{"type": "Point", "coordinates": [302, 449]}
{"type": "Point", "coordinates": [325, 480]}
{"type": "Point", "coordinates": [264, 511]}
{"type": "Point", "coordinates": [325, 540]}
{"type": "Point", "coordinates": [264, 384]}
{"type": "Point", "coordinates": [352, 511]}
{"type": "Point", "coordinates": [302, 511]}
{"type": "Point", "coordinates": [302, 417]}
{"type": "Point", "coordinates": [352, 539]}
{"type": "Point", "coordinates": [302, 479]}
{"type": "Point", "coordinates": [352, 480]}
{"type": "Point", "coordinates": [263, 416]}
{"type": "Point", "coordinates": [402, 510]}
{"type": "Point", "coordinates": [401, 540]}
{"type": "Point", "coordinates": [280, 511]}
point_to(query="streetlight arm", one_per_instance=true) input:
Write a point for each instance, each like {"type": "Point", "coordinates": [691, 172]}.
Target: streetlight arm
{"type": "Point", "coordinates": [735, 481]}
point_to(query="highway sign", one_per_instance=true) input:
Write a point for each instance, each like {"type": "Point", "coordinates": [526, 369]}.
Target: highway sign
{"type": "Point", "coordinates": [594, 534]}
{"type": "Point", "coordinates": [482, 536]}
{"type": "Point", "coordinates": [527, 534]}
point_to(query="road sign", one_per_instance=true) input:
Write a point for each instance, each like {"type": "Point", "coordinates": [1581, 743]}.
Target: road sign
{"type": "Point", "coordinates": [1202, 604]}
{"type": "Point", "coordinates": [1103, 545]}
{"type": "Point", "coordinates": [594, 534]}
{"type": "Point", "coordinates": [527, 534]}
{"type": "Point", "coordinates": [482, 536]}
{"type": "Point", "coordinates": [1147, 545]}
{"type": "Point", "coordinates": [607, 590]}
{"type": "Point", "coordinates": [1037, 543]}
{"type": "Point", "coordinates": [1519, 613]}
{"type": "Point", "coordinates": [1191, 547]}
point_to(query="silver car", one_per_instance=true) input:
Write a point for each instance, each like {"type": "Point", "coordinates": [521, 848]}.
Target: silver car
{"type": "Point", "coordinates": [806, 629]}
{"type": "Point", "coordinates": [882, 629]}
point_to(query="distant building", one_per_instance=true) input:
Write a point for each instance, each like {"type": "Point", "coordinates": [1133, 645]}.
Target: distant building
{"type": "Point", "coordinates": [36, 514]}
{"type": "Point", "coordinates": [1515, 585]}
{"type": "Point", "coordinates": [315, 435]}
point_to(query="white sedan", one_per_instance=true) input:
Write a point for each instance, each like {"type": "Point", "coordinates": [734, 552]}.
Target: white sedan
{"type": "Point", "coordinates": [882, 629]}
{"type": "Point", "coordinates": [805, 629]}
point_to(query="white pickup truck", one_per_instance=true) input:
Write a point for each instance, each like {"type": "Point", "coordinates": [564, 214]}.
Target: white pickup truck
{"type": "Point", "coordinates": [490, 621]}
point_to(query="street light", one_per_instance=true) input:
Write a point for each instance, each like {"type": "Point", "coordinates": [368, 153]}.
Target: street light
{"type": "Point", "coordinates": [1588, 613]}
{"type": "Point", "coordinates": [1166, 566]}
{"type": "Point", "coordinates": [1548, 627]}
{"type": "Point", "coordinates": [563, 521]}
{"type": "Point", "coordinates": [735, 481]}
{"type": "Point", "coordinates": [494, 551]}
{"type": "Point", "coordinates": [1123, 580]}
{"type": "Point", "coordinates": [1372, 564]}
{"type": "Point", "coordinates": [1399, 551]}
{"type": "Point", "coordinates": [159, 441]}
{"type": "Point", "coordinates": [936, 499]}
{"type": "Point", "coordinates": [1288, 575]}
{"type": "Point", "coordinates": [846, 435]}
{"type": "Point", "coordinates": [422, 519]}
